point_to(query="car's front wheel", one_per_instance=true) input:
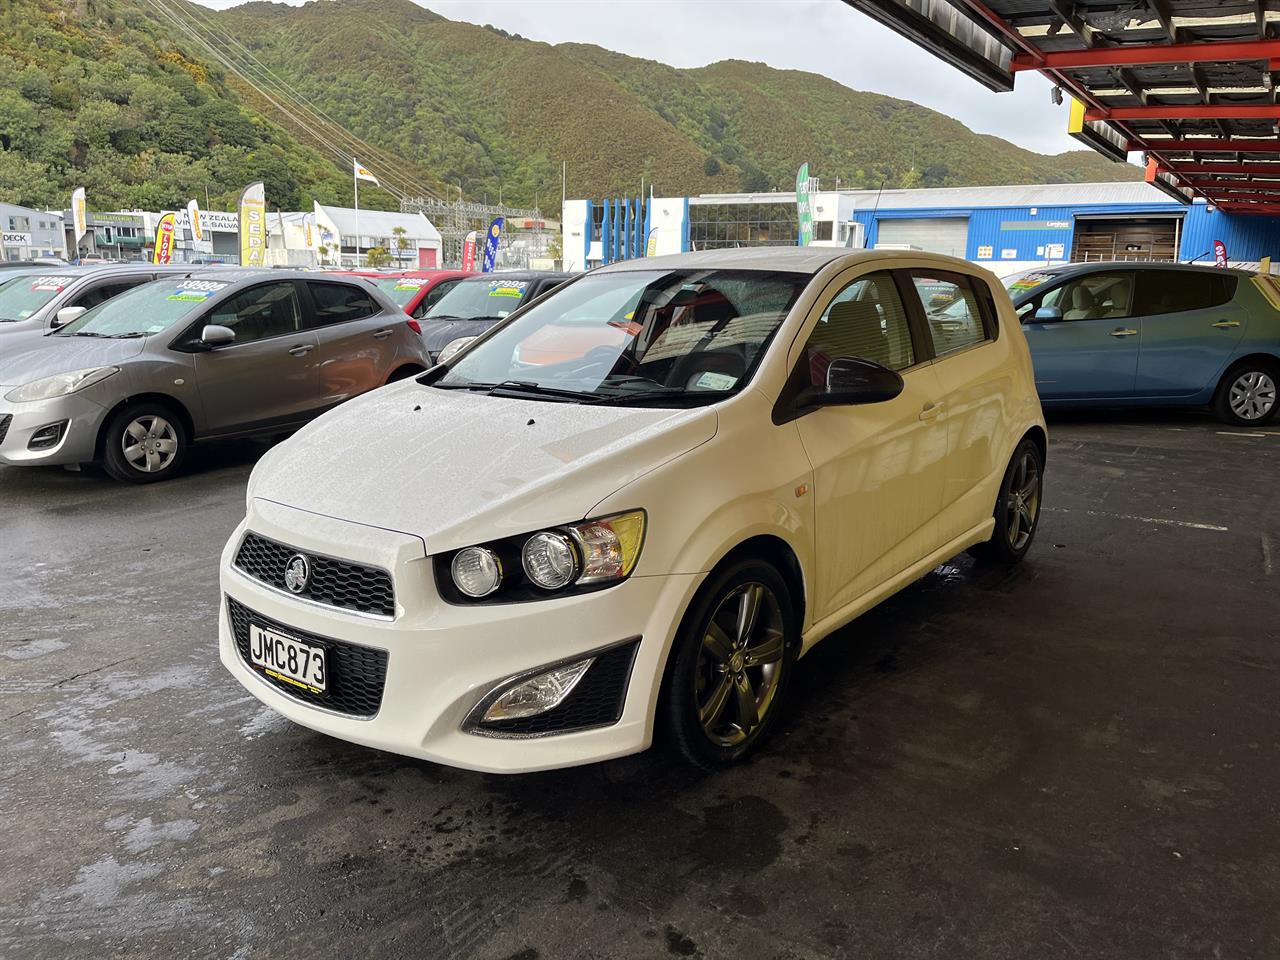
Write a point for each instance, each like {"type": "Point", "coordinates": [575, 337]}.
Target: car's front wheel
{"type": "Point", "coordinates": [730, 667]}
{"type": "Point", "coordinates": [1017, 512]}
{"type": "Point", "coordinates": [1247, 396]}
{"type": "Point", "coordinates": [143, 443]}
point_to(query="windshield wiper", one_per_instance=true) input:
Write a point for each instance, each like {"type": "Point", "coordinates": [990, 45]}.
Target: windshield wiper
{"type": "Point", "coordinates": [676, 397]}
{"type": "Point", "coordinates": [529, 386]}
{"type": "Point", "coordinates": [126, 336]}
{"type": "Point", "coordinates": [87, 333]}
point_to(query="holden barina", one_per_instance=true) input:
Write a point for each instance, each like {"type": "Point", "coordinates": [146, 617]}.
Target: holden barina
{"type": "Point", "coordinates": [513, 566]}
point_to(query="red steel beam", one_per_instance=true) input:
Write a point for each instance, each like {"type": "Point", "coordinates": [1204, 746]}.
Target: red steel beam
{"type": "Point", "coordinates": [1210, 144]}
{"type": "Point", "coordinates": [1136, 55]}
{"type": "Point", "coordinates": [1231, 169]}
{"type": "Point", "coordinates": [1270, 209]}
{"type": "Point", "coordinates": [1188, 111]}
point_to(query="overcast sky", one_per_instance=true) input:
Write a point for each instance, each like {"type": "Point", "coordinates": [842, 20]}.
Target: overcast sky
{"type": "Point", "coordinates": [821, 36]}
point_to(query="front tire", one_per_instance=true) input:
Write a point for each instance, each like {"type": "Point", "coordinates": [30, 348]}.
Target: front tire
{"type": "Point", "coordinates": [144, 443]}
{"type": "Point", "coordinates": [730, 667]}
{"type": "Point", "coordinates": [1017, 512]}
{"type": "Point", "coordinates": [1247, 395]}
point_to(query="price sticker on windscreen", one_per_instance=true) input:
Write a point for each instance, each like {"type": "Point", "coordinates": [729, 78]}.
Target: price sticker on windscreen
{"type": "Point", "coordinates": [409, 284]}
{"type": "Point", "coordinates": [50, 284]}
{"type": "Point", "coordinates": [513, 290]}
{"type": "Point", "coordinates": [196, 291]}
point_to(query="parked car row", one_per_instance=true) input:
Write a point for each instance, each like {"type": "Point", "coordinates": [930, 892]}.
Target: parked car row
{"type": "Point", "coordinates": [126, 366]}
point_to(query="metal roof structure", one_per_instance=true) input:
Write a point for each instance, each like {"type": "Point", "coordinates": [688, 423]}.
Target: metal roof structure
{"type": "Point", "coordinates": [1016, 195]}
{"type": "Point", "coordinates": [1190, 83]}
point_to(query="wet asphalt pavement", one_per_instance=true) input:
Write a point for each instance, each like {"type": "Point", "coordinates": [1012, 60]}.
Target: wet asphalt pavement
{"type": "Point", "coordinates": [1079, 758]}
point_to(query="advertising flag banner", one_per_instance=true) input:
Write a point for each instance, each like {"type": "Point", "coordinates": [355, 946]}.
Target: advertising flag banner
{"type": "Point", "coordinates": [1219, 253]}
{"type": "Point", "coordinates": [309, 230]}
{"type": "Point", "coordinates": [491, 245]}
{"type": "Point", "coordinates": [469, 253]}
{"type": "Point", "coordinates": [651, 247]}
{"type": "Point", "coordinates": [253, 225]}
{"type": "Point", "coordinates": [804, 211]}
{"type": "Point", "coordinates": [78, 213]}
{"type": "Point", "coordinates": [193, 221]}
{"type": "Point", "coordinates": [362, 174]}
{"type": "Point", "coordinates": [164, 239]}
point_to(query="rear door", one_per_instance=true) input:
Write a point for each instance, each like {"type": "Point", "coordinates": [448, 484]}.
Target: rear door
{"type": "Point", "coordinates": [269, 374]}
{"type": "Point", "coordinates": [357, 339]}
{"type": "Point", "coordinates": [1191, 326]}
{"type": "Point", "coordinates": [1091, 352]}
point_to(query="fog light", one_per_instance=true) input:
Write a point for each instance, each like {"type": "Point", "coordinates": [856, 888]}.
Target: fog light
{"type": "Point", "coordinates": [550, 560]}
{"type": "Point", "coordinates": [537, 694]}
{"type": "Point", "coordinates": [47, 437]}
{"type": "Point", "coordinates": [477, 571]}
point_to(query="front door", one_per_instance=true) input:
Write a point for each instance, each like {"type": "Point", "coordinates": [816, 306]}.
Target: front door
{"type": "Point", "coordinates": [877, 468]}
{"type": "Point", "coordinates": [269, 374]}
{"type": "Point", "coordinates": [1089, 350]}
{"type": "Point", "coordinates": [1190, 328]}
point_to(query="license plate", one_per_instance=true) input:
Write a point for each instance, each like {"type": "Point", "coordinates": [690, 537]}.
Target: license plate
{"type": "Point", "coordinates": [284, 658]}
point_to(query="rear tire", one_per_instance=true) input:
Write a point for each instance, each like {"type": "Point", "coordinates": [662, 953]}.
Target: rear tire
{"type": "Point", "coordinates": [1017, 512]}
{"type": "Point", "coordinates": [1248, 394]}
{"type": "Point", "coordinates": [144, 443]}
{"type": "Point", "coordinates": [729, 670]}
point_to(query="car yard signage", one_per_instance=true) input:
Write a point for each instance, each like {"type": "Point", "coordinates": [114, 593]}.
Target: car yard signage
{"type": "Point", "coordinates": [491, 245]}
{"type": "Point", "coordinates": [804, 210]}
{"type": "Point", "coordinates": [164, 240]}
{"type": "Point", "coordinates": [253, 225]}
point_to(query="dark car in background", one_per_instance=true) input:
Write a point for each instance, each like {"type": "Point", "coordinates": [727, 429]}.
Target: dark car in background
{"type": "Point", "coordinates": [477, 303]}
{"type": "Point", "coordinates": [132, 383]}
{"type": "Point", "coordinates": [1152, 334]}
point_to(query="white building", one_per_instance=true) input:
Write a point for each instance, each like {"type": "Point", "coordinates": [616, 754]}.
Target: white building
{"type": "Point", "coordinates": [418, 246]}
{"type": "Point", "coordinates": [26, 233]}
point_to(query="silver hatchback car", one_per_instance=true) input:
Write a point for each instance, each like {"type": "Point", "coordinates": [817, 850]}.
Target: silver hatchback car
{"type": "Point", "coordinates": [136, 380]}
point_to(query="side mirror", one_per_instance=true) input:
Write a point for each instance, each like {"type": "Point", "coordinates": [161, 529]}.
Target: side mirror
{"type": "Point", "coordinates": [66, 315]}
{"type": "Point", "coordinates": [853, 380]}
{"type": "Point", "coordinates": [1048, 314]}
{"type": "Point", "coordinates": [214, 335]}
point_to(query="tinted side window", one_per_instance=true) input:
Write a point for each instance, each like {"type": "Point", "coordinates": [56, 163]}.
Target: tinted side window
{"type": "Point", "coordinates": [953, 311]}
{"type": "Point", "coordinates": [269, 310]}
{"type": "Point", "coordinates": [340, 302]}
{"type": "Point", "coordinates": [433, 295]}
{"type": "Point", "coordinates": [866, 320]}
{"type": "Point", "coordinates": [1172, 291]}
{"type": "Point", "coordinates": [91, 298]}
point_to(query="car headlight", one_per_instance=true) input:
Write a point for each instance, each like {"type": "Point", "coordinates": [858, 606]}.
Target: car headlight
{"type": "Point", "coordinates": [589, 555]}
{"type": "Point", "coordinates": [60, 384]}
{"type": "Point", "coordinates": [452, 347]}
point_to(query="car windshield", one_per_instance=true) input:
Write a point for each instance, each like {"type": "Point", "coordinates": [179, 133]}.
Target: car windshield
{"type": "Point", "coordinates": [22, 296]}
{"type": "Point", "coordinates": [487, 297]}
{"type": "Point", "coordinates": [1020, 283]}
{"type": "Point", "coordinates": [401, 289]}
{"type": "Point", "coordinates": [635, 336]}
{"type": "Point", "coordinates": [150, 308]}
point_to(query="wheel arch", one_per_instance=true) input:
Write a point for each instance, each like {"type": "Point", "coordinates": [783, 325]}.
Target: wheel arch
{"type": "Point", "coordinates": [779, 554]}
{"type": "Point", "coordinates": [174, 404]}
{"type": "Point", "coordinates": [1257, 356]}
{"type": "Point", "coordinates": [404, 371]}
{"type": "Point", "coordinates": [1037, 435]}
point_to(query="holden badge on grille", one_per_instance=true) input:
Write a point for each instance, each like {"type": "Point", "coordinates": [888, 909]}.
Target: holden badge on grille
{"type": "Point", "coordinates": [297, 573]}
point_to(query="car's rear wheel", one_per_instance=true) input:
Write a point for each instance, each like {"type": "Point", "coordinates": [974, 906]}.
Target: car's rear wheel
{"type": "Point", "coordinates": [1017, 512]}
{"type": "Point", "coordinates": [143, 443]}
{"type": "Point", "coordinates": [1247, 395]}
{"type": "Point", "coordinates": [729, 670]}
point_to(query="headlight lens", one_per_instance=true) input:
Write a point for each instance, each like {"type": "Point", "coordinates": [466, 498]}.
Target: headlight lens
{"type": "Point", "coordinates": [550, 560]}
{"type": "Point", "coordinates": [538, 694]}
{"type": "Point", "coordinates": [610, 546]}
{"type": "Point", "coordinates": [477, 571]}
{"type": "Point", "coordinates": [452, 347]}
{"type": "Point", "coordinates": [59, 385]}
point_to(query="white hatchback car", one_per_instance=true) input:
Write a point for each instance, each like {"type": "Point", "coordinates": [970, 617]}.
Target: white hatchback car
{"type": "Point", "coordinates": [719, 459]}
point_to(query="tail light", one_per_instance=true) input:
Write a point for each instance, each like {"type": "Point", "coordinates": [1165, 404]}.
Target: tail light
{"type": "Point", "coordinates": [415, 326]}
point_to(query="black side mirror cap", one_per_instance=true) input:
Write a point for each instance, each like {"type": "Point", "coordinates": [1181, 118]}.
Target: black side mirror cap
{"type": "Point", "coordinates": [853, 380]}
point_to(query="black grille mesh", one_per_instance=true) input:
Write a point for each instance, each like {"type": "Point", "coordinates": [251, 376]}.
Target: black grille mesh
{"type": "Point", "coordinates": [4, 426]}
{"type": "Point", "coordinates": [596, 701]}
{"type": "Point", "coordinates": [356, 675]}
{"type": "Point", "coordinates": [336, 583]}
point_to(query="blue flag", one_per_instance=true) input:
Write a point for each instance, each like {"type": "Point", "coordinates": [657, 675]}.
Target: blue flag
{"type": "Point", "coordinates": [491, 245]}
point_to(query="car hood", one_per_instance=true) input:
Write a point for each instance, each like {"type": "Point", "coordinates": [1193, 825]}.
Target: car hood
{"type": "Point", "coordinates": [458, 468]}
{"type": "Point", "coordinates": [34, 359]}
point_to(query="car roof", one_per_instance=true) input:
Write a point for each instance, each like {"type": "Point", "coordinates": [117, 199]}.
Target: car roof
{"type": "Point", "coordinates": [788, 259]}
{"type": "Point", "coordinates": [521, 275]}
{"type": "Point", "coordinates": [1068, 269]}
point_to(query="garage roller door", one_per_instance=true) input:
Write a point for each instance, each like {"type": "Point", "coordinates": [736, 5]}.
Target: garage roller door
{"type": "Point", "coordinates": [934, 235]}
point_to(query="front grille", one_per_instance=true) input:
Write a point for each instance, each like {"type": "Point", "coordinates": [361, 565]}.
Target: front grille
{"type": "Point", "coordinates": [4, 425]}
{"type": "Point", "coordinates": [335, 583]}
{"type": "Point", "coordinates": [596, 701]}
{"type": "Point", "coordinates": [355, 674]}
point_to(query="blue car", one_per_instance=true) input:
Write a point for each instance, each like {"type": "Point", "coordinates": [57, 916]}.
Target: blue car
{"type": "Point", "coordinates": [1152, 334]}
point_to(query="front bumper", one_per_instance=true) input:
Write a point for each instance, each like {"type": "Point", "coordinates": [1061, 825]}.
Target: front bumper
{"type": "Point", "coordinates": [82, 416]}
{"type": "Point", "coordinates": [442, 660]}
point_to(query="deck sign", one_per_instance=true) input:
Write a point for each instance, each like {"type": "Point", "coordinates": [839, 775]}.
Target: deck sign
{"type": "Point", "coordinates": [804, 209]}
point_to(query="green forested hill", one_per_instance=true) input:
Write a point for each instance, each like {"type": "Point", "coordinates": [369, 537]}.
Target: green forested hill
{"type": "Point", "coordinates": [109, 95]}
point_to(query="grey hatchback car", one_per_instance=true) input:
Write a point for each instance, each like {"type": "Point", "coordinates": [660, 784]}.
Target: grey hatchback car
{"type": "Point", "coordinates": [136, 380]}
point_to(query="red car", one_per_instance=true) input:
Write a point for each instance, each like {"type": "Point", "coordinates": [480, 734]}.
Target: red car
{"type": "Point", "coordinates": [415, 290]}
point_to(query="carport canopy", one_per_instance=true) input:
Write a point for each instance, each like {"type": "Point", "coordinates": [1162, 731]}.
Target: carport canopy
{"type": "Point", "coordinates": [1190, 83]}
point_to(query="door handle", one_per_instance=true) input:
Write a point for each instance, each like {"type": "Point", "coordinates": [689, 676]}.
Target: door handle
{"type": "Point", "coordinates": [1124, 332]}
{"type": "Point", "coordinates": [382, 334]}
{"type": "Point", "coordinates": [1226, 324]}
{"type": "Point", "coordinates": [930, 410]}
{"type": "Point", "coordinates": [301, 350]}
